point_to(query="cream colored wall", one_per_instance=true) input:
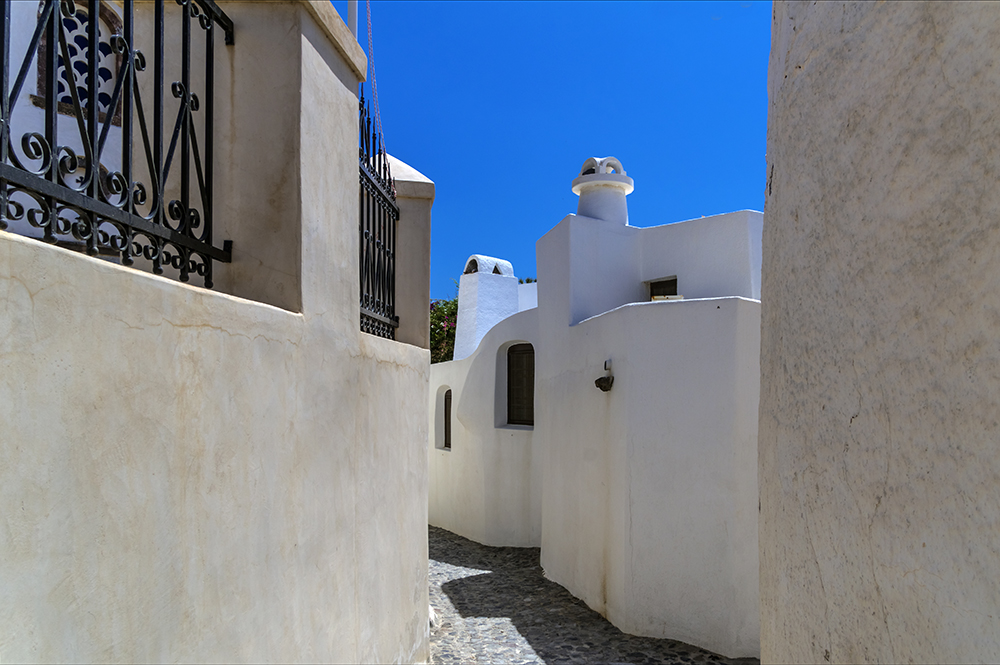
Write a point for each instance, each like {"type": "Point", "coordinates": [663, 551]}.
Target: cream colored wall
{"type": "Point", "coordinates": [414, 196]}
{"type": "Point", "coordinates": [192, 476]}
{"type": "Point", "coordinates": [879, 353]}
{"type": "Point", "coordinates": [259, 130]}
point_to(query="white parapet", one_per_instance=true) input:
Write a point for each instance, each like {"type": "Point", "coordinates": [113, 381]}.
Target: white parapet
{"type": "Point", "coordinates": [527, 296]}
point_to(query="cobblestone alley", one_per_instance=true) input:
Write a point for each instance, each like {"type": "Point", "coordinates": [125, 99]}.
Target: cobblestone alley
{"type": "Point", "coordinates": [494, 606]}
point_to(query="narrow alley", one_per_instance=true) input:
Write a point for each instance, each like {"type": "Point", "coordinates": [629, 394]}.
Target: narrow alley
{"type": "Point", "coordinates": [493, 605]}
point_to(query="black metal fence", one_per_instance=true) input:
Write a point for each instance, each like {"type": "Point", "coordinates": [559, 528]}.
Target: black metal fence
{"type": "Point", "coordinates": [96, 171]}
{"type": "Point", "coordinates": [378, 217]}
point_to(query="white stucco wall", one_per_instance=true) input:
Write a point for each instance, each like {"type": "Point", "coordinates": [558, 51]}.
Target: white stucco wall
{"type": "Point", "coordinates": [605, 265]}
{"type": "Point", "coordinates": [712, 256]}
{"type": "Point", "coordinates": [484, 300]}
{"type": "Point", "coordinates": [879, 355]}
{"type": "Point", "coordinates": [527, 296]}
{"type": "Point", "coordinates": [644, 498]}
{"type": "Point", "coordinates": [488, 486]}
{"type": "Point", "coordinates": [191, 476]}
{"type": "Point", "coordinates": [649, 503]}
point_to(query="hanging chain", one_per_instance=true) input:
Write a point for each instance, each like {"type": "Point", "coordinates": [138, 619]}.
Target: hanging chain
{"type": "Point", "coordinates": [371, 65]}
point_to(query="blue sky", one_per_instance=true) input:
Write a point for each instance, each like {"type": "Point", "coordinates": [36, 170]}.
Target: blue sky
{"type": "Point", "coordinates": [499, 103]}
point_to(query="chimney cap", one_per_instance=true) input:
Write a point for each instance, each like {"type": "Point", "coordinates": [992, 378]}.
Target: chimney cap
{"type": "Point", "coordinates": [488, 264]}
{"type": "Point", "coordinates": [604, 172]}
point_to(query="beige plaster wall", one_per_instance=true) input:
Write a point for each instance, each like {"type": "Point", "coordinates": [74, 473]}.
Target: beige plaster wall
{"type": "Point", "coordinates": [258, 132]}
{"type": "Point", "coordinates": [414, 196]}
{"type": "Point", "coordinates": [192, 476]}
{"type": "Point", "coordinates": [879, 351]}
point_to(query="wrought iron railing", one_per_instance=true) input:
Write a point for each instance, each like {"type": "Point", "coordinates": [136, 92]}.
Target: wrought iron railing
{"type": "Point", "coordinates": [379, 215]}
{"type": "Point", "coordinates": [70, 174]}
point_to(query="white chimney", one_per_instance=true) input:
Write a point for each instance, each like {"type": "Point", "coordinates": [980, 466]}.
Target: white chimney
{"type": "Point", "coordinates": [487, 294]}
{"type": "Point", "coordinates": [602, 186]}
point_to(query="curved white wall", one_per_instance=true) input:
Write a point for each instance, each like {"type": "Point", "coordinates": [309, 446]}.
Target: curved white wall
{"type": "Point", "coordinates": [650, 501]}
{"type": "Point", "coordinates": [487, 487]}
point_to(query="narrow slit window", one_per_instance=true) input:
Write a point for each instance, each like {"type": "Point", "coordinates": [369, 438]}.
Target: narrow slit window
{"type": "Point", "coordinates": [447, 420]}
{"type": "Point", "coordinates": [521, 385]}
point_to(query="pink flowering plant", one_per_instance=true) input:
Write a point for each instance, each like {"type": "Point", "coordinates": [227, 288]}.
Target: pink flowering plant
{"type": "Point", "coordinates": [444, 319]}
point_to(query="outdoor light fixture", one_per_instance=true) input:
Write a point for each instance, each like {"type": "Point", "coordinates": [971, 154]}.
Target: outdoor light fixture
{"type": "Point", "coordinates": [605, 382]}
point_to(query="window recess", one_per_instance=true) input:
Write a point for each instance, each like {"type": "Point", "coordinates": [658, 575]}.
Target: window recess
{"type": "Point", "coordinates": [521, 385]}
{"type": "Point", "coordinates": [664, 289]}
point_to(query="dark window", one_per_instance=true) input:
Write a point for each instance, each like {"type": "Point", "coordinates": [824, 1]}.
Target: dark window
{"type": "Point", "coordinates": [664, 287]}
{"type": "Point", "coordinates": [447, 420]}
{"type": "Point", "coordinates": [78, 44]}
{"type": "Point", "coordinates": [521, 385]}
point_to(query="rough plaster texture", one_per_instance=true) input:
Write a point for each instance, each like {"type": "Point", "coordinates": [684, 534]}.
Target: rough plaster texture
{"type": "Point", "coordinates": [644, 498]}
{"type": "Point", "coordinates": [190, 476]}
{"type": "Point", "coordinates": [204, 478]}
{"type": "Point", "coordinates": [879, 352]}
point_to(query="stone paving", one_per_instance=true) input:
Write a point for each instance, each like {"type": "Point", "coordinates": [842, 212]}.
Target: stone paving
{"type": "Point", "coordinates": [493, 605]}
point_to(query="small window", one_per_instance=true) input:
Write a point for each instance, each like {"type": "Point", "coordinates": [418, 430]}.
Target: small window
{"type": "Point", "coordinates": [447, 420]}
{"type": "Point", "coordinates": [521, 385]}
{"type": "Point", "coordinates": [664, 289]}
{"type": "Point", "coordinates": [75, 72]}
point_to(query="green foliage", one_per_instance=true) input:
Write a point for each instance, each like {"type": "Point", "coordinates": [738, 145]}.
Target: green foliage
{"type": "Point", "coordinates": [444, 319]}
{"type": "Point", "coordinates": [526, 280]}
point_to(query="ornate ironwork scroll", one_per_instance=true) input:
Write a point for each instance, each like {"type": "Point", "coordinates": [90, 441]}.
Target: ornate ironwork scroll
{"type": "Point", "coordinates": [90, 171]}
{"type": "Point", "coordinates": [379, 215]}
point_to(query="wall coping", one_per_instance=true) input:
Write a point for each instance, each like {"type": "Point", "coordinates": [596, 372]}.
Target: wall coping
{"type": "Point", "coordinates": [340, 35]}
{"type": "Point", "coordinates": [410, 183]}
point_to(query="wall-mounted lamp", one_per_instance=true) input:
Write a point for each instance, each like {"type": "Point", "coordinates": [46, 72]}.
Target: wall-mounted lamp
{"type": "Point", "coordinates": [606, 381]}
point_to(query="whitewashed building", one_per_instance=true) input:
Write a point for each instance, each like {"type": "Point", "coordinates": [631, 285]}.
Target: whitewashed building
{"type": "Point", "coordinates": [611, 417]}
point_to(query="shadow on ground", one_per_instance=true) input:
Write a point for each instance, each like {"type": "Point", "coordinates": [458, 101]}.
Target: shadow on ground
{"type": "Point", "coordinates": [507, 583]}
